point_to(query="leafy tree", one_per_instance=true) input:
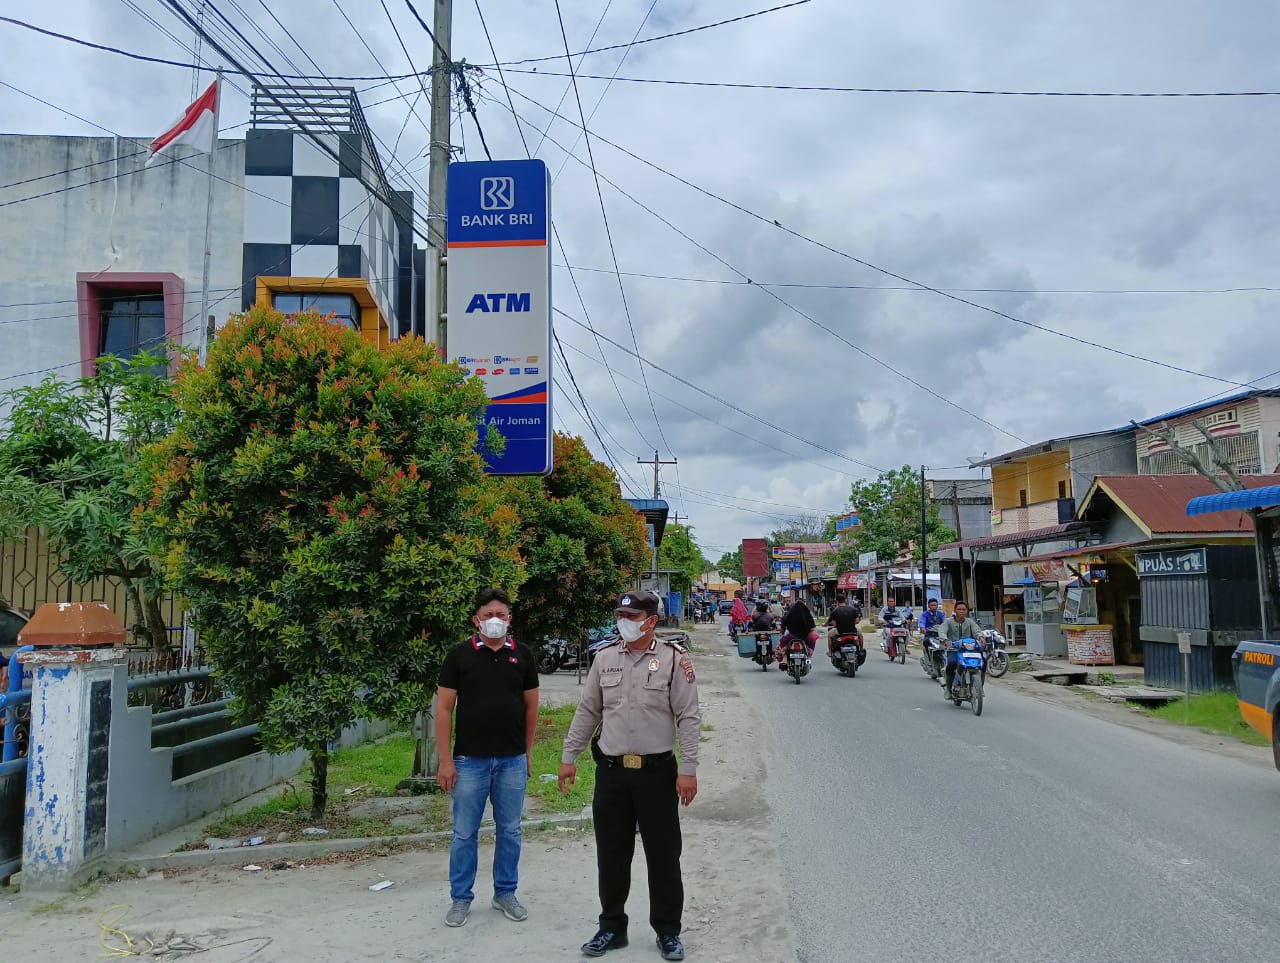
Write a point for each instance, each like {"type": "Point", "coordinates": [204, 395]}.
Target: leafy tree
{"type": "Point", "coordinates": [889, 510]}
{"type": "Point", "coordinates": [680, 553]}
{"type": "Point", "coordinates": [805, 527]}
{"type": "Point", "coordinates": [582, 544]}
{"type": "Point", "coordinates": [323, 510]}
{"type": "Point", "coordinates": [730, 565]}
{"type": "Point", "coordinates": [64, 468]}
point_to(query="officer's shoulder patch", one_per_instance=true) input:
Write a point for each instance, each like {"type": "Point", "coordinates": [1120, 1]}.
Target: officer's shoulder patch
{"type": "Point", "coordinates": [686, 666]}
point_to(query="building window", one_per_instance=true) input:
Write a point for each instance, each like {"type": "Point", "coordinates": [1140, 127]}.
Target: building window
{"type": "Point", "coordinates": [1242, 451]}
{"type": "Point", "coordinates": [1062, 489]}
{"type": "Point", "coordinates": [1022, 498]}
{"type": "Point", "coordinates": [342, 306]}
{"type": "Point", "coordinates": [130, 323]}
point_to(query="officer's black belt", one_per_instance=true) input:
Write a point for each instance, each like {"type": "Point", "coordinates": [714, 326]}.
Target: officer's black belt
{"type": "Point", "coordinates": [633, 760]}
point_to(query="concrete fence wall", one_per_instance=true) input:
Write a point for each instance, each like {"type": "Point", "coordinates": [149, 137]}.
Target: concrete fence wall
{"type": "Point", "coordinates": [143, 800]}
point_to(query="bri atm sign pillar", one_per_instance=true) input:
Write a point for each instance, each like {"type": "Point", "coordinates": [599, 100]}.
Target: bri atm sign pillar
{"type": "Point", "coordinates": [499, 302]}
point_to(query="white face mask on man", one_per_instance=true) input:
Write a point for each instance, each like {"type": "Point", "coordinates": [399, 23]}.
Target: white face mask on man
{"type": "Point", "coordinates": [630, 630]}
{"type": "Point", "coordinates": [494, 628]}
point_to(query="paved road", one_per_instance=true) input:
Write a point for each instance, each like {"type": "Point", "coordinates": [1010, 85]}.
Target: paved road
{"type": "Point", "coordinates": [912, 830]}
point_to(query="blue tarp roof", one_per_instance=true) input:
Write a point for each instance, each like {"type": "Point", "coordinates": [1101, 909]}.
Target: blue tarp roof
{"type": "Point", "coordinates": [1235, 501]}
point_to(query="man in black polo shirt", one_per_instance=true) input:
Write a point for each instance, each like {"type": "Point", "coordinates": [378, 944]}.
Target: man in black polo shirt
{"type": "Point", "coordinates": [492, 681]}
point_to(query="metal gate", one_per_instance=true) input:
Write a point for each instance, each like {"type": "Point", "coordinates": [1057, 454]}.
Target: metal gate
{"type": "Point", "coordinates": [15, 713]}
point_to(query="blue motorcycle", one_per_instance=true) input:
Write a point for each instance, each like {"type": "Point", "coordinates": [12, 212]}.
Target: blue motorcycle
{"type": "Point", "coordinates": [969, 658]}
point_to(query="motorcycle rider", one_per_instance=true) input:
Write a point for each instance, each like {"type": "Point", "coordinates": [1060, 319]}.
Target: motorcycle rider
{"type": "Point", "coordinates": [958, 627]}
{"type": "Point", "coordinates": [738, 614]}
{"type": "Point", "coordinates": [799, 624]}
{"type": "Point", "coordinates": [890, 611]}
{"type": "Point", "coordinates": [932, 621]}
{"type": "Point", "coordinates": [842, 621]}
{"type": "Point", "coordinates": [762, 621]}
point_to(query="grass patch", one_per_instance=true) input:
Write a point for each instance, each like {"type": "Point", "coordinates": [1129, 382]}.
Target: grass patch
{"type": "Point", "coordinates": [1106, 678]}
{"type": "Point", "coordinates": [371, 771]}
{"type": "Point", "coordinates": [1216, 712]}
{"type": "Point", "coordinates": [553, 725]}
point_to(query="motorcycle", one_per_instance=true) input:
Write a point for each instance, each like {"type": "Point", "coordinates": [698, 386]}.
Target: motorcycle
{"type": "Point", "coordinates": [893, 641]}
{"type": "Point", "coordinates": [970, 661]}
{"type": "Point", "coordinates": [997, 657]}
{"type": "Point", "coordinates": [934, 658]}
{"type": "Point", "coordinates": [556, 654]}
{"type": "Point", "coordinates": [847, 654]}
{"type": "Point", "coordinates": [795, 659]}
{"type": "Point", "coordinates": [764, 650]}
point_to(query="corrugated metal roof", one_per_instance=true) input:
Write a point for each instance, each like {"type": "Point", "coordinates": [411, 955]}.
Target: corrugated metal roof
{"type": "Point", "coordinates": [1030, 537]}
{"type": "Point", "coordinates": [1081, 551]}
{"type": "Point", "coordinates": [1159, 502]}
{"type": "Point", "coordinates": [1235, 501]}
{"type": "Point", "coordinates": [1241, 396]}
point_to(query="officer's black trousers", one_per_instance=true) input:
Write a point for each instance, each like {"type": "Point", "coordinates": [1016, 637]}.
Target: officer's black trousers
{"type": "Point", "coordinates": [624, 797]}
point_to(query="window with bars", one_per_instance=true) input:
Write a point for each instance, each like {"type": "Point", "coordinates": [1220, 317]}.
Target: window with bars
{"type": "Point", "coordinates": [1242, 451]}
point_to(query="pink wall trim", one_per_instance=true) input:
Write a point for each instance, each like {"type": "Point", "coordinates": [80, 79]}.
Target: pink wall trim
{"type": "Point", "coordinates": [90, 289]}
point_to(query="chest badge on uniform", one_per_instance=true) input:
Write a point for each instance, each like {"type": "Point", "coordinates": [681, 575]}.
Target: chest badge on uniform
{"type": "Point", "coordinates": [654, 665]}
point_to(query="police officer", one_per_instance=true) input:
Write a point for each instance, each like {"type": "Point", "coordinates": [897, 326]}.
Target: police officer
{"type": "Point", "coordinates": [639, 692]}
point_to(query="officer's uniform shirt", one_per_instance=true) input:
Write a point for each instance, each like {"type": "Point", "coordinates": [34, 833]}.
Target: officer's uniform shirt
{"type": "Point", "coordinates": [639, 700]}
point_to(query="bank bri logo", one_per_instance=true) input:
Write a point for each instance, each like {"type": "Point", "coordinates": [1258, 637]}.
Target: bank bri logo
{"type": "Point", "coordinates": [497, 193]}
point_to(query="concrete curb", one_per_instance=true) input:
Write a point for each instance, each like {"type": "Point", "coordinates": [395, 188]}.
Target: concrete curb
{"type": "Point", "coordinates": [303, 849]}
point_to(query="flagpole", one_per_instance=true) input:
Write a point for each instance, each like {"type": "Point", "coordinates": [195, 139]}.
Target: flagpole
{"type": "Point", "coordinates": [208, 222]}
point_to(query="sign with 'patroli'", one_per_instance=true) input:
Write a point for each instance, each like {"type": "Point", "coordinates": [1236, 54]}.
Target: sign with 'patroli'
{"type": "Point", "coordinates": [499, 302]}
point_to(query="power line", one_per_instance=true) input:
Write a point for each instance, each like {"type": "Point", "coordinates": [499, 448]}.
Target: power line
{"type": "Point", "coordinates": [664, 36]}
{"type": "Point", "coordinates": [885, 271]}
{"type": "Point", "coordinates": [459, 70]}
{"type": "Point", "coordinates": [626, 308]}
{"type": "Point", "coordinates": [560, 243]}
{"type": "Point", "coordinates": [569, 86]}
{"type": "Point", "coordinates": [802, 314]}
{"type": "Point", "coordinates": [725, 427]}
{"type": "Point", "coordinates": [828, 88]}
{"type": "Point", "coordinates": [1256, 289]}
{"type": "Point", "coordinates": [728, 404]}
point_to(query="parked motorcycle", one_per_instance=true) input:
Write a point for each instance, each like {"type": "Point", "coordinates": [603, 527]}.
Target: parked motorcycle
{"type": "Point", "coordinates": [997, 657]}
{"type": "Point", "coordinates": [934, 657]}
{"type": "Point", "coordinates": [847, 654]}
{"type": "Point", "coordinates": [556, 654]}
{"type": "Point", "coordinates": [967, 685]}
{"type": "Point", "coordinates": [893, 641]}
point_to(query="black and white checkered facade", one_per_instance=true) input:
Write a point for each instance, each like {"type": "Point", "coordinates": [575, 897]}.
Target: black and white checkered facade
{"type": "Point", "coordinates": [307, 214]}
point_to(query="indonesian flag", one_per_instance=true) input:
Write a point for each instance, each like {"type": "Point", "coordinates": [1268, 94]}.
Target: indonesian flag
{"type": "Point", "coordinates": [197, 127]}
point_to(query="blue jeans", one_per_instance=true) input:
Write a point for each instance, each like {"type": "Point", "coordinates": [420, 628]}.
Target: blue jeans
{"type": "Point", "coordinates": [480, 779]}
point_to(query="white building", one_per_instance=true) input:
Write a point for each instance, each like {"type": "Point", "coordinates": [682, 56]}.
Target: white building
{"type": "Point", "coordinates": [103, 254]}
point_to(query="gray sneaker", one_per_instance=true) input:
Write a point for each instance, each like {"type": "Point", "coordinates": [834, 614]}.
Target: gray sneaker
{"type": "Point", "coordinates": [510, 907]}
{"type": "Point", "coordinates": [458, 913]}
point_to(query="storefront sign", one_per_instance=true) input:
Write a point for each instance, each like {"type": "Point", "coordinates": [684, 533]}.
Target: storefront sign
{"type": "Point", "coordinates": [867, 560]}
{"type": "Point", "coordinates": [788, 552]}
{"type": "Point", "coordinates": [1055, 569]}
{"type": "Point", "coordinates": [499, 302]}
{"type": "Point", "coordinates": [1090, 646]}
{"type": "Point", "coordinates": [1189, 562]}
{"type": "Point", "coordinates": [846, 522]}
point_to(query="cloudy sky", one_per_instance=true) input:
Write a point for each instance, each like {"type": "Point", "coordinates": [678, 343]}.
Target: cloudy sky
{"type": "Point", "coordinates": [1119, 221]}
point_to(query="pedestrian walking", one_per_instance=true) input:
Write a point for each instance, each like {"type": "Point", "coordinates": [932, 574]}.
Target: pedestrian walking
{"type": "Point", "coordinates": [492, 682]}
{"type": "Point", "coordinates": [640, 691]}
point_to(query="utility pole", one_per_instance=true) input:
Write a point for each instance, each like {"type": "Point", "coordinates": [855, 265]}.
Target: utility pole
{"type": "Point", "coordinates": [657, 493]}
{"type": "Point", "coordinates": [955, 507]}
{"type": "Point", "coordinates": [426, 756]}
{"type": "Point", "coordinates": [656, 462]}
{"type": "Point", "coordinates": [438, 173]}
{"type": "Point", "coordinates": [924, 543]}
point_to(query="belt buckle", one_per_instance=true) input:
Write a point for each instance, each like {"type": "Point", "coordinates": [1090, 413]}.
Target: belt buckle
{"type": "Point", "coordinates": [632, 761]}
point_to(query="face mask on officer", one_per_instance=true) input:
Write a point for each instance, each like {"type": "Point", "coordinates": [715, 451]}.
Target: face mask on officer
{"type": "Point", "coordinates": [630, 630]}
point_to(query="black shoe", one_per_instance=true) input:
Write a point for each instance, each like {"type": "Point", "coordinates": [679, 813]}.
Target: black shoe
{"type": "Point", "coordinates": [607, 940]}
{"type": "Point", "coordinates": [670, 947]}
